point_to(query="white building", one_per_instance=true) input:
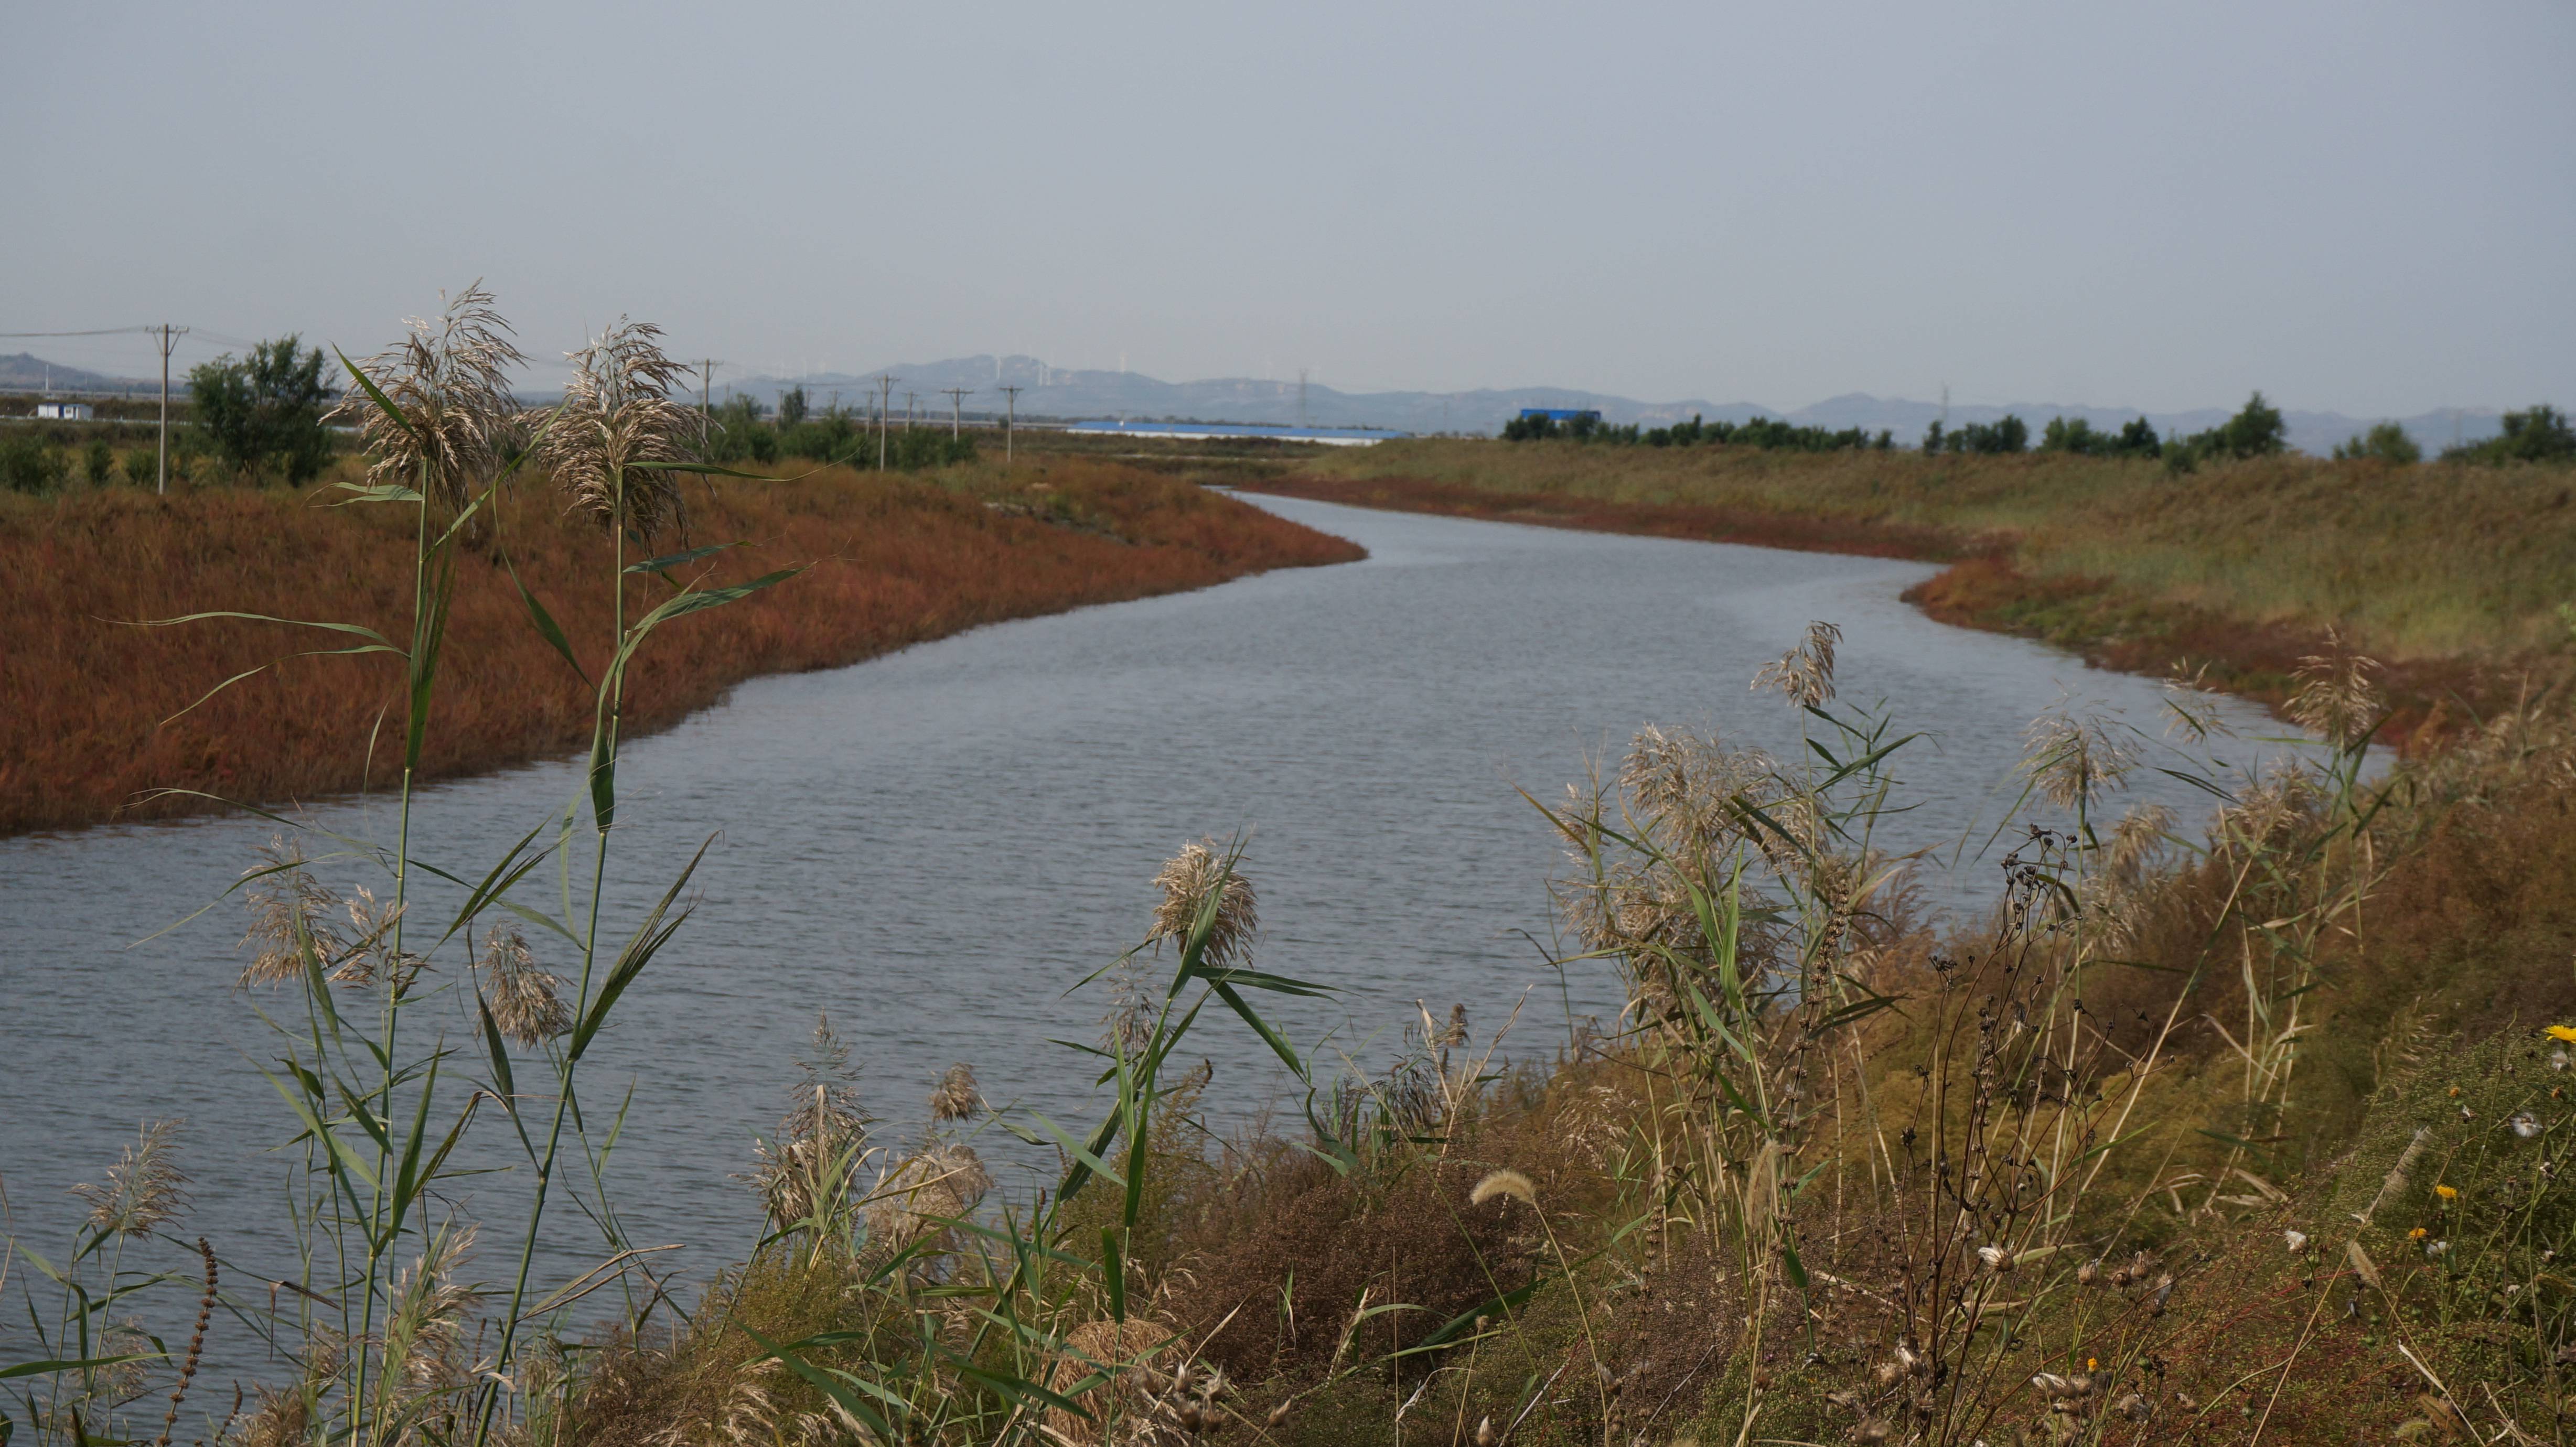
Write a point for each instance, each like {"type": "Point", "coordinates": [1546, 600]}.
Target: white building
{"type": "Point", "coordinates": [64, 411]}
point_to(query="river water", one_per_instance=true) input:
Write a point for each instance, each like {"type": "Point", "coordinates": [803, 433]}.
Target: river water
{"type": "Point", "coordinates": [935, 846]}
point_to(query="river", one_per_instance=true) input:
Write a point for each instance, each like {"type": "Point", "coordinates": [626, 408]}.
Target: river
{"type": "Point", "coordinates": [936, 845]}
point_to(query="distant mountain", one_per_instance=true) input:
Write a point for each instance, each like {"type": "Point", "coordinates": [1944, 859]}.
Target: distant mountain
{"type": "Point", "coordinates": [1068, 393]}
{"type": "Point", "coordinates": [27, 372]}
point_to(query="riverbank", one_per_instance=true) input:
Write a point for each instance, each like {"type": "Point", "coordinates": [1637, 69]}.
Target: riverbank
{"type": "Point", "coordinates": [91, 733]}
{"type": "Point", "coordinates": [2452, 575]}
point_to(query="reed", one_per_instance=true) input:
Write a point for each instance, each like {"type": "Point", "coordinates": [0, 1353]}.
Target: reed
{"type": "Point", "coordinates": [98, 727]}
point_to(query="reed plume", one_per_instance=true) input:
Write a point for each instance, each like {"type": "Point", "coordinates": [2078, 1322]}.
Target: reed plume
{"type": "Point", "coordinates": [956, 1097]}
{"type": "Point", "coordinates": [290, 915]}
{"type": "Point", "coordinates": [526, 1001]}
{"type": "Point", "coordinates": [453, 419]}
{"type": "Point", "coordinates": [144, 1188]}
{"type": "Point", "coordinates": [1187, 882]}
{"type": "Point", "coordinates": [2073, 761]}
{"type": "Point", "coordinates": [1804, 674]}
{"type": "Point", "coordinates": [2337, 697]}
{"type": "Point", "coordinates": [618, 429]}
{"type": "Point", "coordinates": [803, 1174]}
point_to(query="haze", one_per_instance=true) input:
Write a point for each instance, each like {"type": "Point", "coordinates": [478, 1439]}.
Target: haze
{"type": "Point", "coordinates": [2356, 207]}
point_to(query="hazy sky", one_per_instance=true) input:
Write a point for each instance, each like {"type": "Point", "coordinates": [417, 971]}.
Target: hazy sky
{"type": "Point", "coordinates": [2356, 206]}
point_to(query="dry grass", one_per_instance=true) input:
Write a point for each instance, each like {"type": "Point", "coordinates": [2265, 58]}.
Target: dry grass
{"type": "Point", "coordinates": [898, 561]}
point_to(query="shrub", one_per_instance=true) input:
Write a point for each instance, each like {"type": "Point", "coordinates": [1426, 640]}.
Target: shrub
{"type": "Point", "coordinates": [2539, 435]}
{"type": "Point", "coordinates": [30, 463]}
{"type": "Point", "coordinates": [98, 463]}
{"type": "Point", "coordinates": [2387, 441]}
{"type": "Point", "coordinates": [265, 411]}
{"type": "Point", "coordinates": [143, 467]}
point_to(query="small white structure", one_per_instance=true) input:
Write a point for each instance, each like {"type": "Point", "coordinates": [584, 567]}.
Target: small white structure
{"type": "Point", "coordinates": [64, 411]}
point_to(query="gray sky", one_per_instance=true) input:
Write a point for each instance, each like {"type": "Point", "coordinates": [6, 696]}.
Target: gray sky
{"type": "Point", "coordinates": [2357, 206]}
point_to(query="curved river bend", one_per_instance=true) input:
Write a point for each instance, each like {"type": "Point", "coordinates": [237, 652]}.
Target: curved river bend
{"type": "Point", "coordinates": [934, 846]}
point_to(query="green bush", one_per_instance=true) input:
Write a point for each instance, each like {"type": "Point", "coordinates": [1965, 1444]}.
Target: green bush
{"type": "Point", "coordinates": [143, 467]}
{"type": "Point", "coordinates": [2386, 441]}
{"type": "Point", "coordinates": [265, 412]}
{"type": "Point", "coordinates": [98, 462]}
{"type": "Point", "coordinates": [2541, 434]}
{"type": "Point", "coordinates": [31, 463]}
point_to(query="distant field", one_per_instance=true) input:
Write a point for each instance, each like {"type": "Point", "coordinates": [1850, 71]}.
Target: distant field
{"type": "Point", "coordinates": [894, 561]}
{"type": "Point", "coordinates": [2456, 573]}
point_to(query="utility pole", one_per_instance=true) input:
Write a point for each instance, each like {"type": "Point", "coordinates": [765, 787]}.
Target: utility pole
{"type": "Point", "coordinates": [168, 335]}
{"type": "Point", "coordinates": [885, 399]}
{"type": "Point", "coordinates": [1010, 421]}
{"type": "Point", "coordinates": [706, 377]}
{"type": "Point", "coordinates": [956, 401]}
{"type": "Point", "coordinates": [1301, 396]}
{"type": "Point", "coordinates": [908, 399]}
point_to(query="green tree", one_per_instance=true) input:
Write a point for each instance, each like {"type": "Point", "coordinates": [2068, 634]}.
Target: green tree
{"type": "Point", "coordinates": [143, 467]}
{"type": "Point", "coordinates": [98, 462]}
{"type": "Point", "coordinates": [2256, 431]}
{"type": "Point", "coordinates": [2386, 441]}
{"type": "Point", "coordinates": [1932, 438]}
{"type": "Point", "coordinates": [2138, 439]}
{"type": "Point", "coordinates": [791, 407]}
{"type": "Point", "coordinates": [265, 412]}
{"type": "Point", "coordinates": [2541, 434]}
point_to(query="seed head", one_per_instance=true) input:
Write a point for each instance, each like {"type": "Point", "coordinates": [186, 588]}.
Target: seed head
{"type": "Point", "coordinates": [2296, 1240]}
{"type": "Point", "coordinates": [2525, 1125]}
{"type": "Point", "coordinates": [616, 427]}
{"type": "Point", "coordinates": [526, 1002]}
{"type": "Point", "coordinates": [956, 1097]}
{"type": "Point", "coordinates": [1504, 1183]}
{"type": "Point", "coordinates": [448, 382]}
{"type": "Point", "coordinates": [1188, 882]}
{"type": "Point", "coordinates": [2335, 697]}
{"type": "Point", "coordinates": [290, 913]}
{"type": "Point", "coordinates": [144, 1188]}
{"type": "Point", "coordinates": [2073, 760]}
{"type": "Point", "coordinates": [1805, 674]}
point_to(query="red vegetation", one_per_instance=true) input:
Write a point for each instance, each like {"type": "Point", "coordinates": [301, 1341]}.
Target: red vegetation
{"type": "Point", "coordinates": [893, 562]}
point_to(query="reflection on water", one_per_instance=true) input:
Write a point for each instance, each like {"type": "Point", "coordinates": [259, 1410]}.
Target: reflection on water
{"type": "Point", "coordinates": [935, 846]}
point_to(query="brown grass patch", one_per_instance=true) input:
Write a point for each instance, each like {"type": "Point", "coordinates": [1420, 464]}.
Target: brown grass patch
{"type": "Point", "coordinates": [896, 561]}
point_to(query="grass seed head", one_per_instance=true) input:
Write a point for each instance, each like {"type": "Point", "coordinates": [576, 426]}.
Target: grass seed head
{"type": "Point", "coordinates": [290, 912]}
{"type": "Point", "coordinates": [453, 414]}
{"type": "Point", "coordinates": [1187, 882]}
{"type": "Point", "coordinates": [144, 1188]}
{"type": "Point", "coordinates": [1805, 674]}
{"type": "Point", "coordinates": [617, 415]}
{"type": "Point", "coordinates": [956, 1097]}
{"type": "Point", "coordinates": [2073, 760]}
{"type": "Point", "coordinates": [1504, 1183]}
{"type": "Point", "coordinates": [2337, 695]}
{"type": "Point", "coordinates": [526, 1002]}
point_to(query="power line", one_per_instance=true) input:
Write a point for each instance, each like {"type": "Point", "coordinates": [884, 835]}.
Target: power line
{"type": "Point", "coordinates": [100, 332]}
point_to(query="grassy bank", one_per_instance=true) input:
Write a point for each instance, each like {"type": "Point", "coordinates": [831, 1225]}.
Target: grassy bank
{"type": "Point", "coordinates": [2451, 574]}
{"type": "Point", "coordinates": [896, 561]}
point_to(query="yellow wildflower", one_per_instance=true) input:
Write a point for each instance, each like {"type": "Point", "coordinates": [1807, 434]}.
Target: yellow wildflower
{"type": "Point", "coordinates": [2447, 1193]}
{"type": "Point", "coordinates": [2563, 1032]}
{"type": "Point", "coordinates": [2417, 1234]}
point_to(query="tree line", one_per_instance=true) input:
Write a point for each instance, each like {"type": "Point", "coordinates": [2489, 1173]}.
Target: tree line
{"type": "Point", "coordinates": [2538, 434]}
